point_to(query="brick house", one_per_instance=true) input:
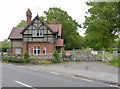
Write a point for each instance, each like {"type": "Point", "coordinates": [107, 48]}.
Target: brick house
{"type": "Point", "coordinates": [37, 37]}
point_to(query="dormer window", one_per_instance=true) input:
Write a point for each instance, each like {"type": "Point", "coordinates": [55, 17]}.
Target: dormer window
{"type": "Point", "coordinates": [37, 33]}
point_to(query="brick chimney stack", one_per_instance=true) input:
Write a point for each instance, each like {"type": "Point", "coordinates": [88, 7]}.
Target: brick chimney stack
{"type": "Point", "coordinates": [29, 16]}
{"type": "Point", "coordinates": [53, 21]}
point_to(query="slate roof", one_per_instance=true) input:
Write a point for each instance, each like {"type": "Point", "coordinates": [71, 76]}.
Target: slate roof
{"type": "Point", "coordinates": [15, 33]}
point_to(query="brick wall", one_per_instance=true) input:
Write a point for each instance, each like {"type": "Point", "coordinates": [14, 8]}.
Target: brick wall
{"type": "Point", "coordinates": [50, 47]}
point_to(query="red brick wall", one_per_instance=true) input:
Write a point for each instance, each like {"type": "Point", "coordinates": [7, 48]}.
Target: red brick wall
{"type": "Point", "coordinates": [50, 47]}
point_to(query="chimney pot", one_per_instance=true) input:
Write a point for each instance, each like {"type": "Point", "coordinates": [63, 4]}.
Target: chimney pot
{"type": "Point", "coordinates": [53, 21]}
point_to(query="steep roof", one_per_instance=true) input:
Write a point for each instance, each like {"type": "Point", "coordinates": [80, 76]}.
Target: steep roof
{"type": "Point", "coordinates": [37, 17]}
{"type": "Point", "coordinates": [56, 28]}
{"type": "Point", "coordinates": [15, 33]}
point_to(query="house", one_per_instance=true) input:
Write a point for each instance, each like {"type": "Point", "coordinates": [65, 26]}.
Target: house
{"type": "Point", "coordinates": [37, 37]}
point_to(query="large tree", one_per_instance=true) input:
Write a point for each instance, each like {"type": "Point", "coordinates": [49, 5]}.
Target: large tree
{"type": "Point", "coordinates": [22, 24]}
{"type": "Point", "coordinates": [69, 27]}
{"type": "Point", "coordinates": [102, 23]}
{"type": "Point", "coordinates": [5, 45]}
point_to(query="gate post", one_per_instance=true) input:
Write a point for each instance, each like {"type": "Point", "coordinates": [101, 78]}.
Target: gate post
{"type": "Point", "coordinates": [73, 54]}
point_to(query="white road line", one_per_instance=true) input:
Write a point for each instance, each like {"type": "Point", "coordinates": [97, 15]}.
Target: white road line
{"type": "Point", "coordinates": [54, 73]}
{"type": "Point", "coordinates": [33, 68]}
{"type": "Point", "coordinates": [114, 86]}
{"type": "Point", "coordinates": [23, 84]}
{"type": "Point", "coordinates": [21, 66]}
{"type": "Point", "coordinates": [84, 79]}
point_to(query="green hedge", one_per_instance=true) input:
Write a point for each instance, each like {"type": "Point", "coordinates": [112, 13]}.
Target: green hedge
{"type": "Point", "coordinates": [15, 59]}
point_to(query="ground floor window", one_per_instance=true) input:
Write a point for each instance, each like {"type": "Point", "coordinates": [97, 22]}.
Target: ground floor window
{"type": "Point", "coordinates": [36, 50]}
{"type": "Point", "coordinates": [18, 50]}
{"type": "Point", "coordinates": [44, 50]}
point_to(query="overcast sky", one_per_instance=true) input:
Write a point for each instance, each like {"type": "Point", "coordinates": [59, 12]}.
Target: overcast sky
{"type": "Point", "coordinates": [13, 11]}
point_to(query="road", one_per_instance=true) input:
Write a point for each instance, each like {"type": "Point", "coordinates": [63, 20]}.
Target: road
{"type": "Point", "coordinates": [18, 76]}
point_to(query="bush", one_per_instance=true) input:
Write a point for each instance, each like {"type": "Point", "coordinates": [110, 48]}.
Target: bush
{"type": "Point", "coordinates": [118, 50]}
{"type": "Point", "coordinates": [115, 61]}
{"type": "Point", "coordinates": [26, 58]}
{"type": "Point", "coordinates": [15, 59]}
{"type": "Point", "coordinates": [26, 55]}
{"type": "Point", "coordinates": [56, 58]}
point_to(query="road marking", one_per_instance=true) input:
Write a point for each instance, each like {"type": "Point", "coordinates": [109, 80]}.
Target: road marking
{"type": "Point", "coordinates": [54, 73]}
{"type": "Point", "coordinates": [23, 84]}
{"type": "Point", "coordinates": [33, 68]}
{"type": "Point", "coordinates": [21, 66]}
{"type": "Point", "coordinates": [114, 86]}
{"type": "Point", "coordinates": [84, 79]}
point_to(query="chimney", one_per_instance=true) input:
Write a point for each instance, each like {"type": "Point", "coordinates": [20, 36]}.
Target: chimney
{"type": "Point", "coordinates": [53, 21]}
{"type": "Point", "coordinates": [29, 16]}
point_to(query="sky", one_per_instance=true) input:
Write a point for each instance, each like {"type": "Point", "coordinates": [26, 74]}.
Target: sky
{"type": "Point", "coordinates": [13, 11]}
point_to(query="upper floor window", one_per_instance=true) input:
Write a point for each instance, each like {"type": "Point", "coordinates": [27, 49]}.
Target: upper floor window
{"type": "Point", "coordinates": [37, 33]}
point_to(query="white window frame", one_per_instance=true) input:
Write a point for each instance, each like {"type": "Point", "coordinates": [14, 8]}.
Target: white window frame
{"type": "Point", "coordinates": [41, 31]}
{"type": "Point", "coordinates": [44, 49]}
{"type": "Point", "coordinates": [36, 50]}
{"type": "Point", "coordinates": [34, 34]}
{"type": "Point", "coordinates": [18, 50]}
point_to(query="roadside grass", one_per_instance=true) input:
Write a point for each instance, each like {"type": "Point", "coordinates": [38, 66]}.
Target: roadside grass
{"type": "Point", "coordinates": [109, 56]}
{"type": "Point", "coordinates": [115, 61]}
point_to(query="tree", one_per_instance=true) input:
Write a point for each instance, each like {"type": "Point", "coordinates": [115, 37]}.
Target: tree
{"type": "Point", "coordinates": [102, 24]}
{"type": "Point", "coordinates": [5, 45]}
{"type": "Point", "coordinates": [22, 24]}
{"type": "Point", "coordinates": [69, 27]}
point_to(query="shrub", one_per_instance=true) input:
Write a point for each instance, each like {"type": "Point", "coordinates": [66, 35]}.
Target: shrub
{"type": "Point", "coordinates": [26, 58]}
{"type": "Point", "coordinates": [56, 58]}
{"type": "Point", "coordinates": [118, 50]}
{"type": "Point", "coordinates": [115, 61]}
{"type": "Point", "coordinates": [26, 55]}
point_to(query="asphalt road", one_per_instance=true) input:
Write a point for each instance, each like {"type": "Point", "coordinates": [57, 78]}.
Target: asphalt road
{"type": "Point", "coordinates": [18, 76]}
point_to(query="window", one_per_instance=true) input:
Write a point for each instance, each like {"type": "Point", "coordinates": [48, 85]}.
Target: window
{"type": "Point", "coordinates": [36, 50]}
{"type": "Point", "coordinates": [18, 50]}
{"type": "Point", "coordinates": [41, 33]}
{"type": "Point", "coordinates": [34, 33]}
{"type": "Point", "coordinates": [37, 33]}
{"type": "Point", "coordinates": [44, 50]}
